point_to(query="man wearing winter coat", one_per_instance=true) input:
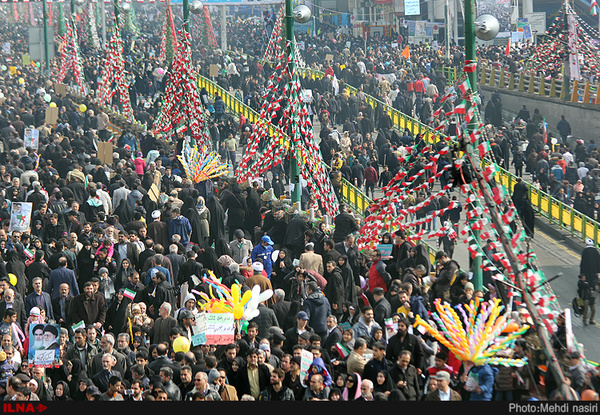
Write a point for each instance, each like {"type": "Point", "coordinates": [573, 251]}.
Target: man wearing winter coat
{"type": "Point", "coordinates": [317, 307]}
{"type": "Point", "coordinates": [335, 289]}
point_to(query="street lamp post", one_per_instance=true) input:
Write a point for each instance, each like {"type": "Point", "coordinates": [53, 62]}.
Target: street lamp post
{"type": "Point", "coordinates": [186, 15]}
{"type": "Point", "coordinates": [46, 46]}
{"type": "Point", "coordinates": [486, 28]}
{"type": "Point", "coordinates": [301, 14]}
{"type": "Point", "coordinates": [289, 37]}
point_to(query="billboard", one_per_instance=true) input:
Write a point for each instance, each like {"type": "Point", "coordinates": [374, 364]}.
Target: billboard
{"type": "Point", "coordinates": [501, 9]}
{"type": "Point", "coordinates": [412, 7]}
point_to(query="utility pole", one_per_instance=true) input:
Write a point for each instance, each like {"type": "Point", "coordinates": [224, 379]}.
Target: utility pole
{"type": "Point", "coordinates": [103, 10]}
{"type": "Point", "coordinates": [471, 56]}
{"type": "Point", "coordinates": [294, 162]}
{"type": "Point", "coordinates": [223, 27]}
{"type": "Point", "coordinates": [494, 210]}
{"type": "Point", "coordinates": [46, 46]}
{"type": "Point", "coordinates": [447, 30]}
{"type": "Point", "coordinates": [117, 13]}
{"type": "Point", "coordinates": [186, 15]}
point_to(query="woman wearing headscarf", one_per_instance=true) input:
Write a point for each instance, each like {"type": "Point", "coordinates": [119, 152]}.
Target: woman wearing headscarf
{"type": "Point", "coordinates": [217, 220]}
{"type": "Point", "coordinates": [204, 214]}
{"type": "Point", "coordinates": [209, 260]}
{"type": "Point", "coordinates": [422, 257]}
{"type": "Point", "coordinates": [125, 270]}
{"type": "Point", "coordinates": [352, 390]}
{"type": "Point", "coordinates": [85, 262]}
{"type": "Point", "coordinates": [383, 383]}
{"type": "Point", "coordinates": [235, 205]}
{"type": "Point", "coordinates": [190, 211]}
{"type": "Point", "coordinates": [16, 266]}
{"type": "Point", "coordinates": [62, 392]}
{"type": "Point", "coordinates": [225, 261]}
{"type": "Point", "coordinates": [76, 374]}
{"type": "Point", "coordinates": [82, 385]}
{"type": "Point", "coordinates": [42, 391]}
{"type": "Point", "coordinates": [349, 313]}
{"type": "Point", "coordinates": [124, 211]}
{"type": "Point", "coordinates": [222, 248]}
{"type": "Point", "coordinates": [116, 313]}
{"type": "Point", "coordinates": [348, 278]}
{"type": "Point", "coordinates": [253, 218]}
{"type": "Point", "coordinates": [282, 266]}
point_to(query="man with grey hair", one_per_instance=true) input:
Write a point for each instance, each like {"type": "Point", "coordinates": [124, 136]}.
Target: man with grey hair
{"type": "Point", "coordinates": [176, 259]}
{"type": "Point", "coordinates": [366, 390]}
{"type": "Point", "coordinates": [162, 326]}
{"type": "Point", "coordinates": [107, 371]}
{"type": "Point", "coordinates": [123, 342]}
{"type": "Point", "coordinates": [310, 260]}
{"type": "Point", "coordinates": [201, 384]}
{"type": "Point", "coordinates": [107, 344]}
{"type": "Point", "coordinates": [158, 267]}
{"type": "Point", "coordinates": [282, 307]}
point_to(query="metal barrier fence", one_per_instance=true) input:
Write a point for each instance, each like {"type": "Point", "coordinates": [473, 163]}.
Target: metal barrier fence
{"type": "Point", "coordinates": [558, 213]}
{"type": "Point", "coordinates": [576, 223]}
{"type": "Point", "coordinates": [350, 194]}
{"type": "Point", "coordinates": [582, 92]}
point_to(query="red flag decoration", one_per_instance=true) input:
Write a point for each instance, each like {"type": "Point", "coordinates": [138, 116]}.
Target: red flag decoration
{"type": "Point", "coordinates": [113, 72]}
{"type": "Point", "coordinates": [71, 57]}
{"type": "Point", "coordinates": [507, 51]}
{"type": "Point", "coordinates": [182, 106]}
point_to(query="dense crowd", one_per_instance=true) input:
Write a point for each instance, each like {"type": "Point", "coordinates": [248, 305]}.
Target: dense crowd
{"type": "Point", "coordinates": [102, 250]}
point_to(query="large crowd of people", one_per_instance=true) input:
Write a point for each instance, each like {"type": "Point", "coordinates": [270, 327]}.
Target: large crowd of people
{"type": "Point", "coordinates": [102, 250]}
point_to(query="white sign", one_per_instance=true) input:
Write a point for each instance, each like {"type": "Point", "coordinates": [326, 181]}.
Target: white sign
{"type": "Point", "coordinates": [412, 7]}
{"type": "Point", "coordinates": [20, 216]}
{"type": "Point", "coordinates": [537, 22]}
{"type": "Point", "coordinates": [31, 138]}
{"type": "Point", "coordinates": [214, 329]}
{"type": "Point", "coordinates": [306, 95]}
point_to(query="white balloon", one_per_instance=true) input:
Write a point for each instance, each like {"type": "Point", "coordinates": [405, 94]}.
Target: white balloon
{"type": "Point", "coordinates": [255, 291]}
{"type": "Point", "coordinates": [265, 295]}
{"type": "Point", "coordinates": [249, 315]}
{"type": "Point", "coordinates": [251, 305]}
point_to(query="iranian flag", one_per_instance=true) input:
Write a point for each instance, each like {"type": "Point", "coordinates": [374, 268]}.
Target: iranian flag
{"type": "Point", "coordinates": [342, 350]}
{"type": "Point", "coordinates": [129, 293]}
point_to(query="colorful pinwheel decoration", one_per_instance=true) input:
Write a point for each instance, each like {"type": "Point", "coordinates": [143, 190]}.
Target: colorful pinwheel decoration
{"type": "Point", "coordinates": [477, 338]}
{"type": "Point", "coordinates": [201, 165]}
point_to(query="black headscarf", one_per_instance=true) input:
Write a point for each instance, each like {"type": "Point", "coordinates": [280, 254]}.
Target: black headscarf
{"type": "Point", "coordinates": [66, 394]}
{"type": "Point", "coordinates": [217, 219]}
{"type": "Point", "coordinates": [124, 212]}
{"type": "Point", "coordinates": [388, 383]}
{"type": "Point", "coordinates": [189, 211]}
{"type": "Point", "coordinates": [209, 259]}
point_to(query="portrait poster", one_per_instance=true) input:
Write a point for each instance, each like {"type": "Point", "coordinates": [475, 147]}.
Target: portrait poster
{"type": "Point", "coordinates": [44, 345]}
{"type": "Point", "coordinates": [20, 216]}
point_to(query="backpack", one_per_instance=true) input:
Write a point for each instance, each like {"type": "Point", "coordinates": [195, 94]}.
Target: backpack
{"type": "Point", "coordinates": [577, 306]}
